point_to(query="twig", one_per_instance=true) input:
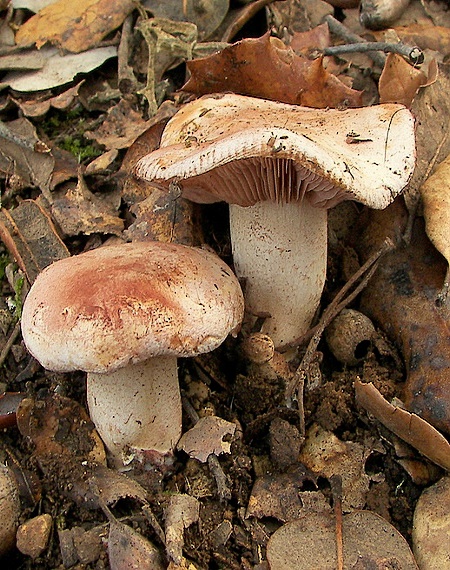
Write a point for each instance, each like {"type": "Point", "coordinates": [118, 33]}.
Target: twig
{"type": "Point", "coordinates": [336, 488]}
{"type": "Point", "coordinates": [126, 79]}
{"type": "Point", "coordinates": [11, 340]}
{"type": "Point", "coordinates": [220, 477]}
{"type": "Point", "coordinates": [344, 33]}
{"type": "Point", "coordinates": [363, 274]}
{"type": "Point", "coordinates": [149, 515]}
{"type": "Point", "coordinates": [8, 135]}
{"type": "Point", "coordinates": [412, 54]}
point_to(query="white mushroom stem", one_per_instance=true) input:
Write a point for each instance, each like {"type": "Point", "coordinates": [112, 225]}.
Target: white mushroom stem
{"type": "Point", "coordinates": [137, 409]}
{"type": "Point", "coordinates": [280, 253]}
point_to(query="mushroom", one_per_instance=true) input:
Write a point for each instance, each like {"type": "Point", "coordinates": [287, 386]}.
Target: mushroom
{"type": "Point", "coordinates": [280, 167]}
{"type": "Point", "coordinates": [124, 313]}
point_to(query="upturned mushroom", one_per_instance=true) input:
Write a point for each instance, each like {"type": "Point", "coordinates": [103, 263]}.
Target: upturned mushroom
{"type": "Point", "coordinates": [124, 313]}
{"type": "Point", "coordinates": [280, 167]}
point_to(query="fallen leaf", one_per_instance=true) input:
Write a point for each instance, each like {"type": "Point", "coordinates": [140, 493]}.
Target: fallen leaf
{"type": "Point", "coordinates": [412, 429]}
{"type": "Point", "coordinates": [19, 156]}
{"type": "Point", "coordinates": [168, 43]}
{"type": "Point", "coordinates": [61, 432]}
{"type": "Point", "coordinates": [74, 26]}
{"type": "Point", "coordinates": [182, 511]}
{"type": "Point", "coordinates": [206, 437]}
{"type": "Point", "coordinates": [79, 211]}
{"type": "Point", "coordinates": [426, 36]}
{"type": "Point", "coordinates": [316, 38]}
{"type": "Point", "coordinates": [121, 127]}
{"type": "Point", "coordinates": [31, 237]}
{"type": "Point", "coordinates": [32, 5]}
{"type": "Point", "coordinates": [431, 110]}
{"type": "Point", "coordinates": [102, 163]}
{"type": "Point", "coordinates": [286, 496]}
{"type": "Point", "coordinates": [401, 298]}
{"type": "Point", "coordinates": [128, 549]}
{"type": "Point", "coordinates": [80, 545]}
{"type": "Point", "coordinates": [31, 59]}
{"type": "Point", "coordinates": [310, 544]}
{"type": "Point", "coordinates": [435, 192]}
{"type": "Point", "coordinates": [265, 67]}
{"type": "Point", "coordinates": [400, 81]}
{"type": "Point", "coordinates": [58, 69]}
{"type": "Point", "coordinates": [40, 106]}
{"type": "Point", "coordinates": [207, 16]}
{"type": "Point", "coordinates": [165, 217]}
{"type": "Point", "coordinates": [431, 527]}
{"type": "Point", "coordinates": [324, 453]}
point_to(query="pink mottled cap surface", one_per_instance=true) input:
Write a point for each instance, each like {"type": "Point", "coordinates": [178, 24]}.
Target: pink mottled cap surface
{"type": "Point", "coordinates": [100, 310]}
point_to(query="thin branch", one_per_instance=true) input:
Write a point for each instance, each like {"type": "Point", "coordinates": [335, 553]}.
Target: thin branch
{"type": "Point", "coordinates": [11, 340]}
{"type": "Point", "coordinates": [341, 300]}
{"type": "Point", "coordinates": [412, 54]}
{"type": "Point", "coordinates": [345, 34]}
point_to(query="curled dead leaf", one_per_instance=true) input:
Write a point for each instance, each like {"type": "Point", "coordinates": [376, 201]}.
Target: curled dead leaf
{"type": "Point", "coordinates": [401, 298]}
{"type": "Point", "coordinates": [285, 76]}
{"type": "Point", "coordinates": [410, 427]}
{"type": "Point", "coordinates": [75, 26]}
{"type": "Point", "coordinates": [435, 192]}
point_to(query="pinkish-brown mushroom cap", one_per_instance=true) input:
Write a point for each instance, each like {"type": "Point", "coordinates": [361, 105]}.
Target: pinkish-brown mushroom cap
{"type": "Point", "coordinates": [244, 150]}
{"type": "Point", "coordinates": [105, 308]}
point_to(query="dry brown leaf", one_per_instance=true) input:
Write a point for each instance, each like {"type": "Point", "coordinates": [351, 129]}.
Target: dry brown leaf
{"type": "Point", "coordinates": [129, 549]}
{"type": "Point", "coordinates": [61, 432]}
{"type": "Point", "coordinates": [78, 211]}
{"type": "Point", "coordinates": [265, 67]}
{"type": "Point", "coordinates": [30, 236]}
{"type": "Point", "coordinates": [399, 81]}
{"type": "Point", "coordinates": [282, 497]}
{"type": "Point", "coordinates": [182, 511]}
{"type": "Point", "coordinates": [432, 111]}
{"type": "Point", "coordinates": [317, 38]}
{"type": "Point", "coordinates": [58, 69]}
{"type": "Point", "coordinates": [310, 544]}
{"type": "Point", "coordinates": [19, 158]}
{"type": "Point", "coordinates": [412, 429]}
{"type": "Point", "coordinates": [40, 106]}
{"type": "Point", "coordinates": [122, 126]}
{"type": "Point", "coordinates": [324, 453]}
{"type": "Point", "coordinates": [431, 527]}
{"type": "Point", "coordinates": [435, 192]}
{"type": "Point", "coordinates": [207, 16]}
{"type": "Point", "coordinates": [74, 26]}
{"type": "Point", "coordinates": [206, 437]}
{"type": "Point", "coordinates": [401, 298]}
{"type": "Point", "coordinates": [165, 217]}
{"type": "Point", "coordinates": [426, 36]}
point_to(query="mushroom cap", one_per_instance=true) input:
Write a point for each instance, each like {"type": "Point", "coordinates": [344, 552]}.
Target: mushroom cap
{"type": "Point", "coordinates": [244, 150]}
{"type": "Point", "coordinates": [102, 309]}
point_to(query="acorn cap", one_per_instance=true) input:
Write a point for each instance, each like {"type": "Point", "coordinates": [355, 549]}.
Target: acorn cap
{"type": "Point", "coordinates": [100, 310]}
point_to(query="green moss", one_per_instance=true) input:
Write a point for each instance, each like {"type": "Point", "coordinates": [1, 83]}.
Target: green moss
{"type": "Point", "coordinates": [18, 302]}
{"type": "Point", "coordinates": [66, 130]}
{"type": "Point", "coordinates": [79, 149]}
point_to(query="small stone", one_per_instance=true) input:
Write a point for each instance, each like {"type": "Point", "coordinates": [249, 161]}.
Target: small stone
{"type": "Point", "coordinates": [33, 535]}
